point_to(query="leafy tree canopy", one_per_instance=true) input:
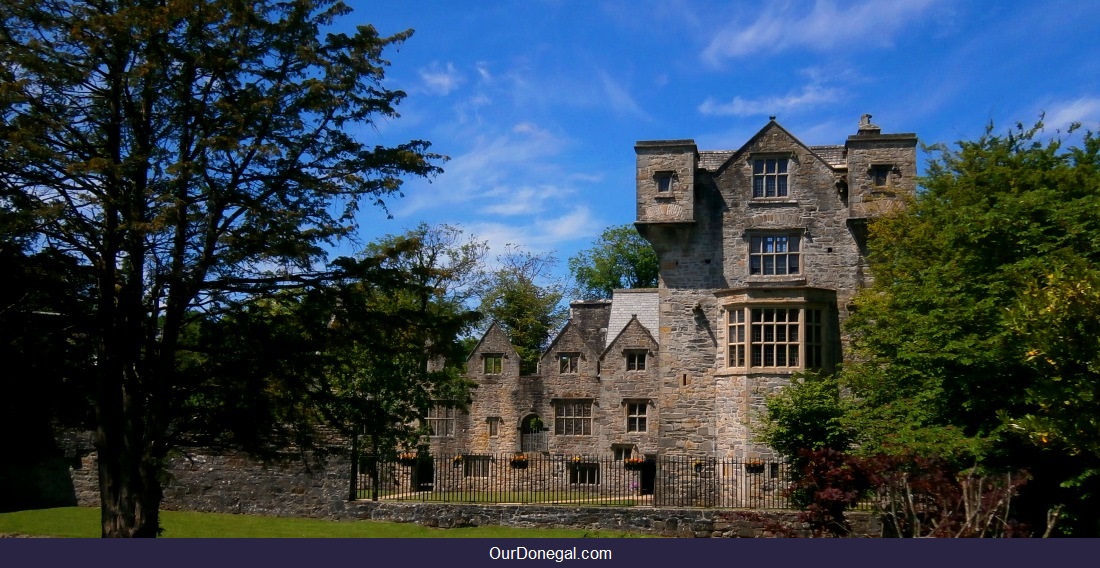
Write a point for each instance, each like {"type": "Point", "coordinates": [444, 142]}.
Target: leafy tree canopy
{"type": "Point", "coordinates": [619, 258]}
{"type": "Point", "coordinates": [526, 300]}
{"type": "Point", "coordinates": [977, 340]}
{"type": "Point", "coordinates": [185, 153]}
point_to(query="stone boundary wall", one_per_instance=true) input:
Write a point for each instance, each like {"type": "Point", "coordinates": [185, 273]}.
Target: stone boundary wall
{"type": "Point", "coordinates": [668, 522]}
{"type": "Point", "coordinates": [224, 482]}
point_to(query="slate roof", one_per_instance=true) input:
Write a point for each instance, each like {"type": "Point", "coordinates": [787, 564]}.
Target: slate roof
{"type": "Point", "coordinates": [626, 303]}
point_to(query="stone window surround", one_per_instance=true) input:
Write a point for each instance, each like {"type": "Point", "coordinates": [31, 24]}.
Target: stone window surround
{"type": "Point", "coordinates": [493, 425]}
{"type": "Point", "coordinates": [785, 161]}
{"type": "Point", "coordinates": [441, 418]}
{"type": "Point", "coordinates": [637, 416]}
{"type": "Point", "coordinates": [665, 181]}
{"type": "Point", "coordinates": [475, 465]}
{"type": "Point", "coordinates": [802, 297]}
{"type": "Point", "coordinates": [635, 360]}
{"type": "Point", "coordinates": [569, 362]}
{"type": "Point", "coordinates": [492, 363]}
{"type": "Point", "coordinates": [795, 239]}
{"type": "Point", "coordinates": [573, 416]}
{"type": "Point", "coordinates": [882, 174]}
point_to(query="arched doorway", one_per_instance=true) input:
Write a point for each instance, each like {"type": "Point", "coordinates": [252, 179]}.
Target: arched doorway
{"type": "Point", "coordinates": [532, 436]}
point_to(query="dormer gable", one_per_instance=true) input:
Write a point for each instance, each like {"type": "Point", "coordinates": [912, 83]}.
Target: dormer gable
{"type": "Point", "coordinates": [773, 139]}
{"type": "Point", "coordinates": [569, 354]}
{"type": "Point", "coordinates": [493, 355]}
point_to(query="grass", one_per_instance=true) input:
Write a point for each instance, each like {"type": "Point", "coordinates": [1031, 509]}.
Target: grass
{"type": "Point", "coordinates": [83, 522]}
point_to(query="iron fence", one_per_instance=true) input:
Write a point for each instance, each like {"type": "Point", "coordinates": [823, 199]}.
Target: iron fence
{"type": "Point", "coordinates": [669, 481]}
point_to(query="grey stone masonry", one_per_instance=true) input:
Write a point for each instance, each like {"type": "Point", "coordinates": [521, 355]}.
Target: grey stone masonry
{"type": "Point", "coordinates": [761, 249]}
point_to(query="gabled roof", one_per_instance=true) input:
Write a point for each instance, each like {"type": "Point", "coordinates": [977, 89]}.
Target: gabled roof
{"type": "Point", "coordinates": [494, 328]}
{"type": "Point", "coordinates": [625, 304]}
{"type": "Point", "coordinates": [729, 156]}
{"type": "Point", "coordinates": [570, 326]}
{"type": "Point", "coordinates": [633, 321]}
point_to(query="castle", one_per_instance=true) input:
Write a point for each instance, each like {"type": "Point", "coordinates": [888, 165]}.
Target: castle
{"type": "Point", "coordinates": [761, 250]}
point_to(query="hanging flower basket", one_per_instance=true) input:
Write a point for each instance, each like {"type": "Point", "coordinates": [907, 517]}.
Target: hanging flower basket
{"type": "Point", "coordinates": [633, 464]}
{"type": "Point", "coordinates": [518, 461]}
{"type": "Point", "coordinates": [575, 462]}
{"type": "Point", "coordinates": [754, 467]}
{"type": "Point", "coordinates": [697, 465]}
{"type": "Point", "coordinates": [457, 461]}
{"type": "Point", "coordinates": [407, 458]}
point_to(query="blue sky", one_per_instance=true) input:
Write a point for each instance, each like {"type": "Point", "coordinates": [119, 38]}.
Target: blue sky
{"type": "Point", "coordinates": [538, 104]}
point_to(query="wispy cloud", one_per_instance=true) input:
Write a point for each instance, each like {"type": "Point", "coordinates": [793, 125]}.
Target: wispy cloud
{"type": "Point", "coordinates": [440, 79]}
{"type": "Point", "coordinates": [511, 174]}
{"type": "Point", "coordinates": [808, 96]}
{"type": "Point", "coordinates": [1085, 110]}
{"type": "Point", "coordinates": [826, 26]}
{"type": "Point", "coordinates": [819, 90]}
{"type": "Point", "coordinates": [543, 234]}
{"type": "Point", "coordinates": [618, 98]}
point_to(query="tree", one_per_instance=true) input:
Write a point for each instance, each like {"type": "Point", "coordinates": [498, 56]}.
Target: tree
{"type": "Point", "coordinates": [526, 301]}
{"type": "Point", "coordinates": [368, 353]}
{"type": "Point", "coordinates": [980, 325]}
{"type": "Point", "coordinates": [619, 258]}
{"type": "Point", "coordinates": [184, 153]}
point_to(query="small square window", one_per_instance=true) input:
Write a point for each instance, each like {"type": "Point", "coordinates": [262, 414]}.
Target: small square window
{"type": "Point", "coordinates": [584, 473]}
{"type": "Point", "coordinates": [622, 451]}
{"type": "Point", "coordinates": [664, 182]}
{"type": "Point", "coordinates": [880, 175]}
{"type": "Point", "coordinates": [568, 363]}
{"type": "Point", "coordinates": [635, 360]}
{"type": "Point", "coordinates": [494, 364]}
{"type": "Point", "coordinates": [475, 466]}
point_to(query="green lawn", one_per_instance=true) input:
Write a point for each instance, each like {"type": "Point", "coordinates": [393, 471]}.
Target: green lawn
{"type": "Point", "coordinates": [83, 522]}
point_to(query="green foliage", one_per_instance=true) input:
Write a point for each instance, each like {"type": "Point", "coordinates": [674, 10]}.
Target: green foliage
{"type": "Point", "coordinates": [806, 416]}
{"type": "Point", "coordinates": [370, 353]}
{"type": "Point", "coordinates": [526, 301]}
{"type": "Point", "coordinates": [183, 153]}
{"type": "Point", "coordinates": [619, 258]}
{"type": "Point", "coordinates": [982, 320]}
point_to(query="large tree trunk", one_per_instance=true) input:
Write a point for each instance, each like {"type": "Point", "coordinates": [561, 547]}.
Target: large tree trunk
{"type": "Point", "coordinates": [130, 493]}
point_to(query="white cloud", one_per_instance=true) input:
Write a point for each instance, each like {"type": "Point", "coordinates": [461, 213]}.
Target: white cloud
{"type": "Point", "coordinates": [809, 96]}
{"type": "Point", "coordinates": [543, 234]}
{"type": "Point", "coordinates": [618, 98]}
{"type": "Point", "coordinates": [1085, 110]}
{"type": "Point", "coordinates": [826, 26]}
{"type": "Point", "coordinates": [492, 168]}
{"type": "Point", "coordinates": [440, 80]}
{"type": "Point", "coordinates": [526, 200]}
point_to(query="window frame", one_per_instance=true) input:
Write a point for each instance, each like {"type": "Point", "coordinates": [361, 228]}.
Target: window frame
{"type": "Point", "coordinates": [584, 473]}
{"type": "Point", "coordinates": [476, 465]}
{"type": "Point", "coordinates": [497, 358]}
{"type": "Point", "coordinates": [665, 181]}
{"type": "Point", "coordinates": [569, 363]}
{"type": "Point", "coordinates": [579, 417]}
{"type": "Point", "coordinates": [447, 420]}
{"type": "Point", "coordinates": [763, 337]}
{"type": "Point", "coordinates": [779, 175]}
{"type": "Point", "coordinates": [761, 260]}
{"type": "Point", "coordinates": [636, 360]}
{"type": "Point", "coordinates": [637, 415]}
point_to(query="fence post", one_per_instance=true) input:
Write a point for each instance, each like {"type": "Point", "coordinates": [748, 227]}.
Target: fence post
{"type": "Point", "coordinates": [353, 493]}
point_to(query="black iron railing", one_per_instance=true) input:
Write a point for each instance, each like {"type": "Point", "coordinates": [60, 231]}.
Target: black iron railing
{"type": "Point", "coordinates": [673, 481]}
